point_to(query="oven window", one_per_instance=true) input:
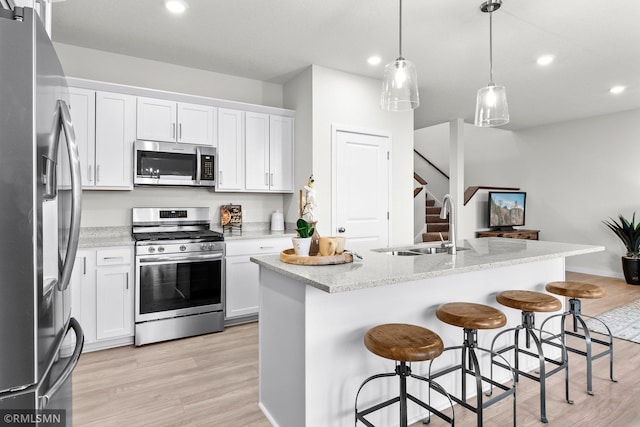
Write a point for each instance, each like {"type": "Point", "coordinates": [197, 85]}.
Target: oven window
{"type": "Point", "coordinates": [151, 163]}
{"type": "Point", "coordinates": [179, 285]}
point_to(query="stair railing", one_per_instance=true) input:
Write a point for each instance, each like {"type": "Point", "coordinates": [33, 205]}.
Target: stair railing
{"type": "Point", "coordinates": [430, 163]}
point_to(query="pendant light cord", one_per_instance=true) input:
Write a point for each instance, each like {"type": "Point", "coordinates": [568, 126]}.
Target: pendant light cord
{"type": "Point", "coordinates": [491, 49]}
{"type": "Point", "coordinates": [400, 30]}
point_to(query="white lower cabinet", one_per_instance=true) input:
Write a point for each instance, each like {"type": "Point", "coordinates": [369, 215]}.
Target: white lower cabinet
{"type": "Point", "coordinates": [242, 280]}
{"type": "Point", "coordinates": [102, 296]}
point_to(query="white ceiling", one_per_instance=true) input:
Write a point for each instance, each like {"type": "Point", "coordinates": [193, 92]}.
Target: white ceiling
{"type": "Point", "coordinates": [596, 44]}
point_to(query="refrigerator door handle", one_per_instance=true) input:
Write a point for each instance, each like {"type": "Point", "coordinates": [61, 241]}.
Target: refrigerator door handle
{"type": "Point", "coordinates": [76, 196]}
{"type": "Point", "coordinates": [43, 399]}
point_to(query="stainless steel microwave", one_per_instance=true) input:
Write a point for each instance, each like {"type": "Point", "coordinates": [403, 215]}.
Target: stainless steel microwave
{"type": "Point", "coordinates": [170, 163]}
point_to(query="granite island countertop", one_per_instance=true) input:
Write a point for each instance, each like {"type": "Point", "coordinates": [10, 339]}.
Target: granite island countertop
{"type": "Point", "coordinates": [380, 267]}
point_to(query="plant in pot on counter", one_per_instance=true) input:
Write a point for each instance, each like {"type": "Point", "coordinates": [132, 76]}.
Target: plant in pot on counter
{"type": "Point", "coordinates": [302, 243]}
{"type": "Point", "coordinates": [629, 233]}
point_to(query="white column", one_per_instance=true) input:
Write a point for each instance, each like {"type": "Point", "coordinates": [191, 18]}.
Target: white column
{"type": "Point", "coordinates": [456, 176]}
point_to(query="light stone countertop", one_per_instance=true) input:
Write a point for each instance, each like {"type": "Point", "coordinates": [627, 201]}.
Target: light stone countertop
{"type": "Point", "coordinates": [96, 237]}
{"type": "Point", "coordinates": [382, 268]}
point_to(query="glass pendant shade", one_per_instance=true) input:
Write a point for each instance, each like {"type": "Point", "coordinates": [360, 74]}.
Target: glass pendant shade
{"type": "Point", "coordinates": [400, 86]}
{"type": "Point", "coordinates": [491, 106]}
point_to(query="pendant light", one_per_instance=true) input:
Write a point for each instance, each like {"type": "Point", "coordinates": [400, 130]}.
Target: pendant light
{"type": "Point", "coordinates": [491, 103]}
{"type": "Point", "coordinates": [400, 83]}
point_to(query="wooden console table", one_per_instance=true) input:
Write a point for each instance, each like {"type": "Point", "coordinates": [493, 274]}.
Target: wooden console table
{"type": "Point", "coordinates": [515, 234]}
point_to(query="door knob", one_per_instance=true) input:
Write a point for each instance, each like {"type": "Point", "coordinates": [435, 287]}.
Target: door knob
{"type": "Point", "coordinates": [341, 230]}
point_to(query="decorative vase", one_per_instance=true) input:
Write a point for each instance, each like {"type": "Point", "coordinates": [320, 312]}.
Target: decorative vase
{"type": "Point", "coordinates": [315, 240]}
{"type": "Point", "coordinates": [301, 245]}
{"type": "Point", "coordinates": [631, 269]}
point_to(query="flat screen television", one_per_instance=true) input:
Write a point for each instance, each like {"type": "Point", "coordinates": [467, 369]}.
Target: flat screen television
{"type": "Point", "coordinates": [506, 209]}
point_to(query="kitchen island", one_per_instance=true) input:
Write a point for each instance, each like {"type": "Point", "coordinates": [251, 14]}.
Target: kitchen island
{"type": "Point", "coordinates": [313, 320]}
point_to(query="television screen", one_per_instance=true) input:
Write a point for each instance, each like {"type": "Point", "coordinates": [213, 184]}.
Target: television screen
{"type": "Point", "coordinates": [506, 209]}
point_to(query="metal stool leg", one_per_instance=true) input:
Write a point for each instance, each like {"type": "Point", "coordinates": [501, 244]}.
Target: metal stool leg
{"type": "Point", "coordinates": [575, 311]}
{"type": "Point", "coordinates": [403, 371]}
{"type": "Point", "coordinates": [469, 365]}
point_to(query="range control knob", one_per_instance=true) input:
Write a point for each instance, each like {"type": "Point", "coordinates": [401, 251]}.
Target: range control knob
{"type": "Point", "coordinates": [183, 248]}
{"type": "Point", "coordinates": [151, 249]}
{"type": "Point", "coordinates": [161, 249]}
{"type": "Point", "coordinates": [204, 247]}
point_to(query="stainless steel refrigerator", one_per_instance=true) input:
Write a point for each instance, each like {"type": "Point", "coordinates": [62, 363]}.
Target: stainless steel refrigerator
{"type": "Point", "coordinates": [40, 205]}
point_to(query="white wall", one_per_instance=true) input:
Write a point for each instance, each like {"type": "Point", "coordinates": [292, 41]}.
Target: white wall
{"type": "Point", "coordinates": [433, 143]}
{"type": "Point", "coordinates": [576, 174]}
{"type": "Point", "coordinates": [128, 70]}
{"type": "Point", "coordinates": [113, 208]}
{"type": "Point", "coordinates": [348, 99]}
{"type": "Point", "coordinates": [298, 96]}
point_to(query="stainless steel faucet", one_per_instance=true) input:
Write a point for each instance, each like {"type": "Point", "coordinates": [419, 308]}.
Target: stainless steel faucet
{"type": "Point", "coordinates": [451, 243]}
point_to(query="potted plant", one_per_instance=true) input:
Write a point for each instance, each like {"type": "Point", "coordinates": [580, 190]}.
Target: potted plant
{"type": "Point", "coordinates": [629, 233]}
{"type": "Point", "coordinates": [302, 243]}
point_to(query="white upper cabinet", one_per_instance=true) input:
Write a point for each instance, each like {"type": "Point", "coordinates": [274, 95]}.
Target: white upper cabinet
{"type": "Point", "coordinates": [269, 146]}
{"type": "Point", "coordinates": [257, 149]}
{"type": "Point", "coordinates": [115, 133]}
{"type": "Point", "coordinates": [156, 119]}
{"type": "Point", "coordinates": [82, 106]}
{"type": "Point", "coordinates": [162, 120]}
{"type": "Point", "coordinates": [280, 153]}
{"type": "Point", "coordinates": [230, 151]}
{"type": "Point", "coordinates": [105, 127]}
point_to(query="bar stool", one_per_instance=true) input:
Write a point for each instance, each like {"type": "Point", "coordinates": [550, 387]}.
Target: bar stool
{"type": "Point", "coordinates": [529, 303]}
{"type": "Point", "coordinates": [472, 317]}
{"type": "Point", "coordinates": [403, 343]}
{"type": "Point", "coordinates": [575, 291]}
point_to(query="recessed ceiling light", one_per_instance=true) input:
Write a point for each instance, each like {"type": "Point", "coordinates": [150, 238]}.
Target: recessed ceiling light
{"type": "Point", "coordinates": [617, 89]}
{"type": "Point", "coordinates": [176, 6]}
{"type": "Point", "coordinates": [374, 60]}
{"type": "Point", "coordinates": [545, 60]}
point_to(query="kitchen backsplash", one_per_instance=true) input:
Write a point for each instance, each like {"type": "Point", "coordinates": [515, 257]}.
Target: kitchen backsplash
{"type": "Point", "coordinates": [113, 208]}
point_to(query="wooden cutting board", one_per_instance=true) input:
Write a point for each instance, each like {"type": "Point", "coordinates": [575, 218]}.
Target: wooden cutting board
{"type": "Point", "coordinates": [289, 256]}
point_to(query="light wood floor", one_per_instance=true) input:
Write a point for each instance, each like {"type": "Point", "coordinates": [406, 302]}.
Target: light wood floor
{"type": "Point", "coordinates": [212, 380]}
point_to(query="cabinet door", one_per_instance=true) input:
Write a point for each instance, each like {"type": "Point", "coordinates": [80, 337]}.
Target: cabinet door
{"type": "Point", "coordinates": [156, 119]}
{"type": "Point", "coordinates": [257, 151]}
{"type": "Point", "coordinates": [281, 154]}
{"type": "Point", "coordinates": [114, 301]}
{"type": "Point", "coordinates": [83, 290]}
{"type": "Point", "coordinates": [196, 124]}
{"type": "Point", "coordinates": [241, 287]}
{"type": "Point", "coordinates": [82, 106]}
{"type": "Point", "coordinates": [115, 133]}
{"type": "Point", "coordinates": [230, 150]}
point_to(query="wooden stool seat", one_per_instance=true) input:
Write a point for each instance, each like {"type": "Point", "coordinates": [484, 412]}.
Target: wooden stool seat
{"type": "Point", "coordinates": [471, 316]}
{"type": "Point", "coordinates": [404, 343]}
{"type": "Point", "coordinates": [529, 301]}
{"type": "Point", "coordinates": [576, 289]}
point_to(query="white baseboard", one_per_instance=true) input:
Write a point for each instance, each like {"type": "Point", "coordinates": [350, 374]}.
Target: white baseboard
{"type": "Point", "coordinates": [267, 414]}
{"type": "Point", "coordinates": [596, 272]}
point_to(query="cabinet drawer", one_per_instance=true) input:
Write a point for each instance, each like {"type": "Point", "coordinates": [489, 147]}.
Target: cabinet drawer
{"type": "Point", "coordinates": [115, 256]}
{"type": "Point", "coordinates": [258, 246]}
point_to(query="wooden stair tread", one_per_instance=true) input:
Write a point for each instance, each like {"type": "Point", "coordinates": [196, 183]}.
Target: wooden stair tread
{"type": "Point", "coordinates": [576, 289]}
{"type": "Point", "coordinates": [434, 236]}
{"type": "Point", "coordinates": [471, 316]}
{"type": "Point", "coordinates": [529, 301]}
{"type": "Point", "coordinates": [403, 342]}
{"type": "Point", "coordinates": [435, 218]}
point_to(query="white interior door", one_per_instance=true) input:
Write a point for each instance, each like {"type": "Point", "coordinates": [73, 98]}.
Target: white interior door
{"type": "Point", "coordinates": [361, 188]}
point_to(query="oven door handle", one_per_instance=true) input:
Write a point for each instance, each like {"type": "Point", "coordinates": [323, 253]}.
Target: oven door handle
{"type": "Point", "coordinates": [194, 258]}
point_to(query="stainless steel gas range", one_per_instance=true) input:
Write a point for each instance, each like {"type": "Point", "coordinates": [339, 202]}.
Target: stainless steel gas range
{"type": "Point", "coordinates": [179, 274]}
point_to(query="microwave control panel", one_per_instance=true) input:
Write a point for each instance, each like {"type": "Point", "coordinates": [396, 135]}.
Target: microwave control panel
{"type": "Point", "coordinates": [206, 167]}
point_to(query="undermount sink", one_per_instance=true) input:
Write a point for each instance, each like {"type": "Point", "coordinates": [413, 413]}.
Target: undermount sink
{"type": "Point", "coordinates": [431, 250]}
